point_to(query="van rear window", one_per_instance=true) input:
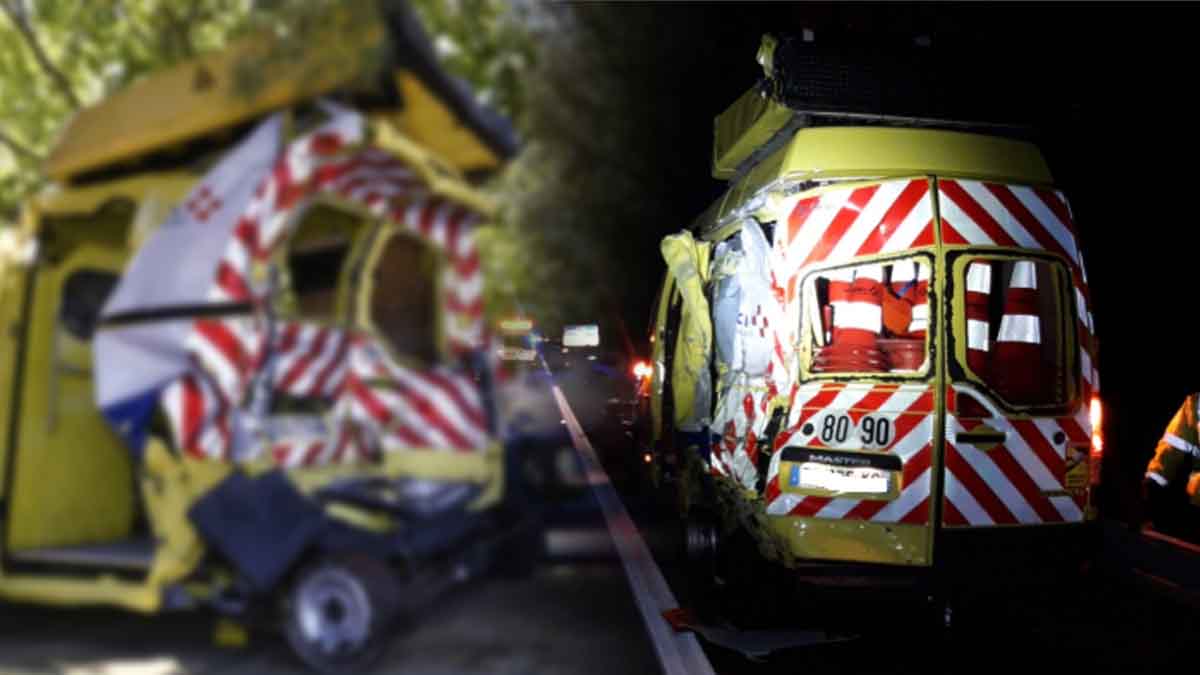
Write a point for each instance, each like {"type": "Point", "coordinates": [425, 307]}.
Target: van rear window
{"type": "Point", "coordinates": [869, 318]}
{"type": "Point", "coordinates": [1014, 325]}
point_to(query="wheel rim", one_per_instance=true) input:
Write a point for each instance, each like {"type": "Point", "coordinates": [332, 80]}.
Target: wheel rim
{"type": "Point", "coordinates": [333, 612]}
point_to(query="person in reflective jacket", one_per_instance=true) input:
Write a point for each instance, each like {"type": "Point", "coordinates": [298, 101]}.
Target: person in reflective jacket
{"type": "Point", "coordinates": [1172, 483]}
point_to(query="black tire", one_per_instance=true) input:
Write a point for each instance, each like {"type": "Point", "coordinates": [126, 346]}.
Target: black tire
{"type": "Point", "coordinates": [698, 544]}
{"type": "Point", "coordinates": [338, 612]}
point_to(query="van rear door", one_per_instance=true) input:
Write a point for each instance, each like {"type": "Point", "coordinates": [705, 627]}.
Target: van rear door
{"type": "Point", "coordinates": [1018, 359]}
{"type": "Point", "coordinates": [853, 476]}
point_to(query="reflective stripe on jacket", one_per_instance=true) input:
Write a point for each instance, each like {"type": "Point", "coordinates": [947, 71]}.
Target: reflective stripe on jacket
{"type": "Point", "coordinates": [1176, 459]}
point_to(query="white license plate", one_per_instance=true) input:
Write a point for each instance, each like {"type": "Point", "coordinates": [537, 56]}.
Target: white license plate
{"type": "Point", "coordinates": [857, 479]}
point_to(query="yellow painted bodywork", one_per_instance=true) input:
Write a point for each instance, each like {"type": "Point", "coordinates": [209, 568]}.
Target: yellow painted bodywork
{"type": "Point", "coordinates": [169, 186]}
{"type": "Point", "coordinates": [429, 122]}
{"type": "Point", "coordinates": [813, 161]}
{"type": "Point", "coordinates": [667, 295]}
{"type": "Point", "coordinates": [870, 153]}
{"type": "Point", "coordinates": [196, 98]}
{"type": "Point", "coordinates": [687, 261]}
{"type": "Point", "coordinates": [75, 482]}
{"type": "Point", "coordinates": [203, 97]}
{"type": "Point", "coordinates": [169, 486]}
{"type": "Point", "coordinates": [433, 163]}
{"type": "Point", "coordinates": [856, 540]}
{"type": "Point", "coordinates": [744, 126]}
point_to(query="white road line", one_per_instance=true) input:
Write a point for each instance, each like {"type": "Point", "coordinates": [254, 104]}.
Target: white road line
{"type": "Point", "coordinates": [679, 653]}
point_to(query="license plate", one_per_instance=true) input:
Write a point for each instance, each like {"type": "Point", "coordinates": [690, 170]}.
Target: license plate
{"type": "Point", "coordinates": [853, 479]}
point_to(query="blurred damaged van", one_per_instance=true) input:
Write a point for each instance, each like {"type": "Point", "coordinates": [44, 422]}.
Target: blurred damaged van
{"type": "Point", "coordinates": [874, 359]}
{"type": "Point", "coordinates": [245, 359]}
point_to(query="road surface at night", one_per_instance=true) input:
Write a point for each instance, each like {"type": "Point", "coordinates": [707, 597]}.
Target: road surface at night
{"type": "Point", "coordinates": [563, 620]}
{"type": "Point", "coordinates": [578, 614]}
{"type": "Point", "coordinates": [1104, 624]}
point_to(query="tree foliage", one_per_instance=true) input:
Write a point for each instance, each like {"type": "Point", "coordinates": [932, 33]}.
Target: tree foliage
{"type": "Point", "coordinates": [586, 199]}
{"type": "Point", "coordinates": [573, 198]}
{"type": "Point", "coordinates": [57, 56]}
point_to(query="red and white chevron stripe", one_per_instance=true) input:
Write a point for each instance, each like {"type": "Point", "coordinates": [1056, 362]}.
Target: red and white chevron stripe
{"type": "Point", "coordinates": [408, 408]}
{"type": "Point", "coordinates": [435, 409]}
{"type": "Point", "coordinates": [741, 421]}
{"type": "Point", "coordinates": [852, 222]}
{"type": "Point", "coordinates": [199, 416]}
{"type": "Point", "coordinates": [309, 360]}
{"type": "Point", "coordinates": [840, 224]}
{"type": "Point", "coordinates": [377, 404]}
{"type": "Point", "coordinates": [1020, 481]}
{"type": "Point", "coordinates": [992, 214]}
{"type": "Point", "coordinates": [346, 445]}
{"type": "Point", "coordinates": [909, 409]}
{"type": "Point", "coordinates": [330, 161]}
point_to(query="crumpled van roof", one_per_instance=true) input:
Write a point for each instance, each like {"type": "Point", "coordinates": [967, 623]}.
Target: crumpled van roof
{"type": "Point", "coordinates": [201, 97]}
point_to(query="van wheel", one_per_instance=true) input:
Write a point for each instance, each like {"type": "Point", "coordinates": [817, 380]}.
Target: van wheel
{"type": "Point", "coordinates": [700, 539]}
{"type": "Point", "coordinates": [338, 611]}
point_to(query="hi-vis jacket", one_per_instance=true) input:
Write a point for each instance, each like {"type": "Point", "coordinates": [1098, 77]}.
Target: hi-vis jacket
{"type": "Point", "coordinates": [1177, 457]}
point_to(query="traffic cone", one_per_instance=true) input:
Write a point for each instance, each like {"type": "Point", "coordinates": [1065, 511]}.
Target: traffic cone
{"type": "Point", "coordinates": [906, 316]}
{"type": "Point", "coordinates": [857, 323]}
{"type": "Point", "coordinates": [898, 304]}
{"type": "Point", "coordinates": [920, 300]}
{"type": "Point", "coordinates": [1017, 371]}
{"type": "Point", "coordinates": [839, 287]}
{"type": "Point", "coordinates": [979, 287]}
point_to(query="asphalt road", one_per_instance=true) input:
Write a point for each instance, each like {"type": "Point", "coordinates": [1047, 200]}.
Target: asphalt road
{"type": "Point", "coordinates": [564, 620]}
{"type": "Point", "coordinates": [1102, 623]}
{"type": "Point", "coordinates": [576, 615]}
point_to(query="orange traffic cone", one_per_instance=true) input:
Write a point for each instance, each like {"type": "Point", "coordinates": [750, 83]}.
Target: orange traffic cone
{"type": "Point", "coordinates": [839, 287]}
{"type": "Point", "coordinates": [857, 323]}
{"type": "Point", "coordinates": [1017, 371]}
{"type": "Point", "coordinates": [898, 304]}
{"type": "Point", "coordinates": [906, 316]}
{"type": "Point", "coordinates": [920, 300]}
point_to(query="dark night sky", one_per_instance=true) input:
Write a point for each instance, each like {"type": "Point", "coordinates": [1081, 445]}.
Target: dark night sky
{"type": "Point", "coordinates": [1118, 129]}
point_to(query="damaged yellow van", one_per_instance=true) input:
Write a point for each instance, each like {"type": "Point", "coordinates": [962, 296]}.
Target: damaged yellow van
{"type": "Point", "coordinates": [874, 357]}
{"type": "Point", "coordinates": [244, 363]}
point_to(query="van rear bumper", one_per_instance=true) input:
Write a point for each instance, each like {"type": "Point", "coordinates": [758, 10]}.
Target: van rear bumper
{"type": "Point", "coordinates": [1016, 555]}
{"type": "Point", "coordinates": [993, 564]}
{"type": "Point", "coordinates": [1024, 555]}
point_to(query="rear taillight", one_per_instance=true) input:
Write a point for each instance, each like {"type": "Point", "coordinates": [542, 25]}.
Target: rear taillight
{"type": "Point", "coordinates": [642, 370]}
{"type": "Point", "coordinates": [1096, 413]}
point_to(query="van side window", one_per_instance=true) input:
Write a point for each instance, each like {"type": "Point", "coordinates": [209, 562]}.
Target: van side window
{"type": "Point", "coordinates": [316, 259]}
{"type": "Point", "coordinates": [1015, 328]}
{"type": "Point", "coordinates": [83, 296]}
{"type": "Point", "coordinates": [868, 318]}
{"type": "Point", "coordinates": [314, 274]}
{"type": "Point", "coordinates": [403, 303]}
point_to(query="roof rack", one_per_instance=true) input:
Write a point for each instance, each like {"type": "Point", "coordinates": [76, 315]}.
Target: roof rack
{"type": "Point", "coordinates": [806, 84]}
